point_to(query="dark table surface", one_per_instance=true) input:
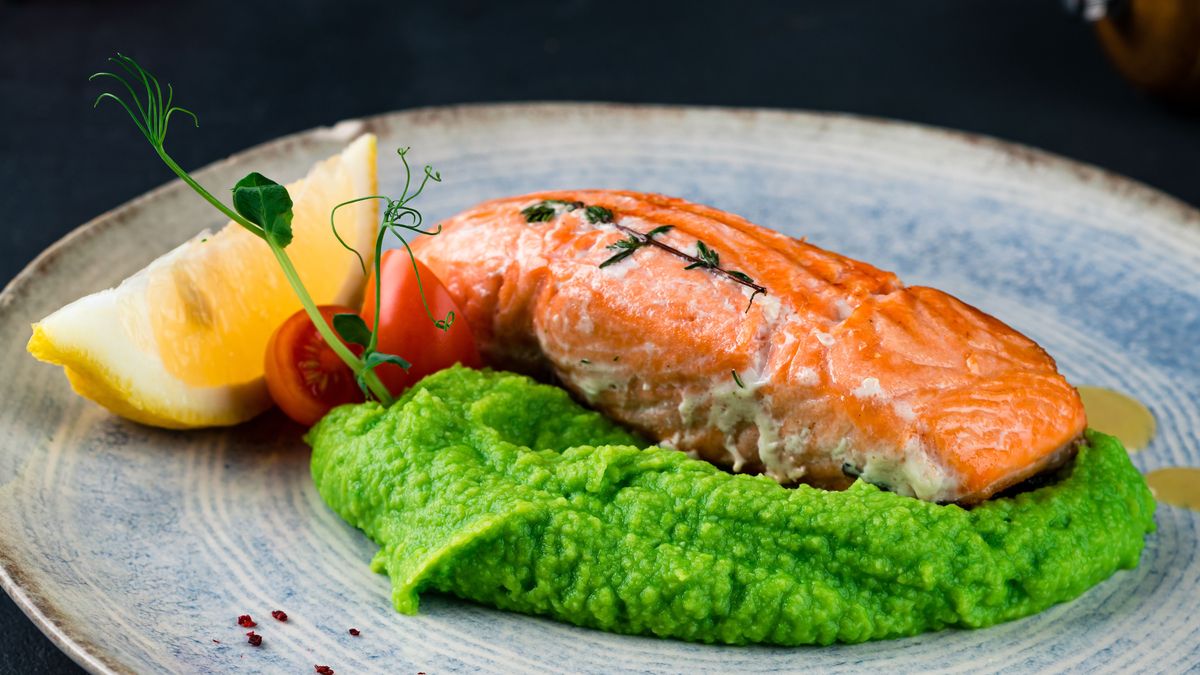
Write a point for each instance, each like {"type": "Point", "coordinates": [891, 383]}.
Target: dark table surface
{"type": "Point", "coordinates": [1020, 70]}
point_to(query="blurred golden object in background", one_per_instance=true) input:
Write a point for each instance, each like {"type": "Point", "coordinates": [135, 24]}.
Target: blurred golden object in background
{"type": "Point", "coordinates": [1155, 44]}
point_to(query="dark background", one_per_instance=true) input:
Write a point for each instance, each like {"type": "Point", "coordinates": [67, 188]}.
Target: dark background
{"type": "Point", "coordinates": [1021, 70]}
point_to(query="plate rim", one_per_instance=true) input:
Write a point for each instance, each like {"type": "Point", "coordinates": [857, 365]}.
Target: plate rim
{"type": "Point", "coordinates": [1175, 213]}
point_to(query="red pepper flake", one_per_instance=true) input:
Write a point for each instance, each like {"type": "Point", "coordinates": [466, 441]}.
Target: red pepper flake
{"type": "Point", "coordinates": [323, 670]}
{"type": "Point", "coordinates": [279, 614]}
{"type": "Point", "coordinates": [246, 622]}
{"type": "Point", "coordinates": [354, 632]}
{"type": "Point", "coordinates": [254, 638]}
{"type": "Point", "coordinates": [216, 641]}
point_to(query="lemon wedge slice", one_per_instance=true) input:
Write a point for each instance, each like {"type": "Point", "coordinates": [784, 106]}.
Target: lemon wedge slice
{"type": "Point", "coordinates": [180, 344]}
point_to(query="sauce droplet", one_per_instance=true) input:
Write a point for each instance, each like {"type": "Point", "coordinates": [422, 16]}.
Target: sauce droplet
{"type": "Point", "coordinates": [1176, 485]}
{"type": "Point", "coordinates": [1118, 415]}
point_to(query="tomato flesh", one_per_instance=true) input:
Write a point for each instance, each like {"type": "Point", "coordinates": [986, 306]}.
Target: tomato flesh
{"type": "Point", "coordinates": [304, 375]}
{"type": "Point", "coordinates": [406, 330]}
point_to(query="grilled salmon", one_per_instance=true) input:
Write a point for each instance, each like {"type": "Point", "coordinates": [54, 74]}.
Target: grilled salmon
{"type": "Point", "coordinates": [754, 350]}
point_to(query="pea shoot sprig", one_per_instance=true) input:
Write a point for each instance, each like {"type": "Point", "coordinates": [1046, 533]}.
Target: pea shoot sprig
{"type": "Point", "coordinates": [264, 208]}
{"type": "Point", "coordinates": [398, 217]}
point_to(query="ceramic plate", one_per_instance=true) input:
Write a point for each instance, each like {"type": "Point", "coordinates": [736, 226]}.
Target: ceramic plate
{"type": "Point", "coordinates": [135, 548]}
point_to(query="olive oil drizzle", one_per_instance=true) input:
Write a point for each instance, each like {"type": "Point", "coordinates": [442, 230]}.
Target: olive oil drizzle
{"type": "Point", "coordinates": [1176, 485]}
{"type": "Point", "coordinates": [1130, 421]}
{"type": "Point", "coordinates": [1119, 415]}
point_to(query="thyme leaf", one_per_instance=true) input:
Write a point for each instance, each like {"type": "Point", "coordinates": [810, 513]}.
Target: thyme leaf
{"type": "Point", "coordinates": [547, 210]}
{"type": "Point", "coordinates": [597, 214]}
{"type": "Point", "coordinates": [618, 257]}
{"type": "Point", "coordinates": [539, 213]}
{"type": "Point", "coordinates": [709, 256]}
{"type": "Point", "coordinates": [633, 242]}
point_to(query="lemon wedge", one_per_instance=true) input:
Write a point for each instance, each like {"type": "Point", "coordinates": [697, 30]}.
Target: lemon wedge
{"type": "Point", "coordinates": [180, 344]}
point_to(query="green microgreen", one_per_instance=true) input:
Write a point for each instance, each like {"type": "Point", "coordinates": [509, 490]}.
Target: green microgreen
{"type": "Point", "coordinates": [264, 208]}
{"type": "Point", "coordinates": [352, 329]}
{"type": "Point", "coordinates": [398, 217]}
{"type": "Point", "coordinates": [154, 114]}
{"type": "Point", "coordinates": [267, 203]}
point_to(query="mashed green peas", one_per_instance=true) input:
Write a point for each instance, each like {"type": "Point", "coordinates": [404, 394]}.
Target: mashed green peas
{"type": "Point", "coordinates": [498, 489]}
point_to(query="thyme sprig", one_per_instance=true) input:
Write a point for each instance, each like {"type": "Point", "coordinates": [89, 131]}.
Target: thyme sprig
{"type": "Point", "coordinates": [264, 208]}
{"type": "Point", "coordinates": [626, 247]}
{"type": "Point", "coordinates": [707, 259]}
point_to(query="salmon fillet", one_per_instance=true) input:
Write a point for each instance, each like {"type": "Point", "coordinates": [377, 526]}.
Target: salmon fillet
{"type": "Point", "coordinates": [838, 371]}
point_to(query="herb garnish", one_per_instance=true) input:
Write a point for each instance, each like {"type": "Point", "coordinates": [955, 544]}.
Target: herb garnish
{"type": "Point", "coordinates": [598, 214]}
{"type": "Point", "coordinates": [397, 216]}
{"type": "Point", "coordinates": [738, 379]}
{"type": "Point", "coordinates": [264, 208]}
{"type": "Point", "coordinates": [547, 210]}
{"type": "Point", "coordinates": [626, 247]}
{"type": "Point", "coordinates": [707, 259]}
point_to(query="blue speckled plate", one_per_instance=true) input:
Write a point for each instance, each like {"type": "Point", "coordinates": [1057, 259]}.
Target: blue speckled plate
{"type": "Point", "coordinates": [135, 548]}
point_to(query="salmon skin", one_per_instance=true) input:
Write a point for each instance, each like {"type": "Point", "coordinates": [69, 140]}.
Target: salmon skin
{"type": "Point", "coordinates": [839, 371]}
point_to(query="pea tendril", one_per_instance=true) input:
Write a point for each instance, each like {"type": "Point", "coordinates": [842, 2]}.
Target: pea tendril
{"type": "Point", "coordinates": [395, 214]}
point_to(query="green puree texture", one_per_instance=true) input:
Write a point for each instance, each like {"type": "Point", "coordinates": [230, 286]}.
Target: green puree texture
{"type": "Point", "coordinates": [497, 489]}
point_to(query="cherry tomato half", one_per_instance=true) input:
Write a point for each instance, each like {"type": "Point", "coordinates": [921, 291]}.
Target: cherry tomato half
{"type": "Point", "coordinates": [305, 377]}
{"type": "Point", "coordinates": [405, 329]}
